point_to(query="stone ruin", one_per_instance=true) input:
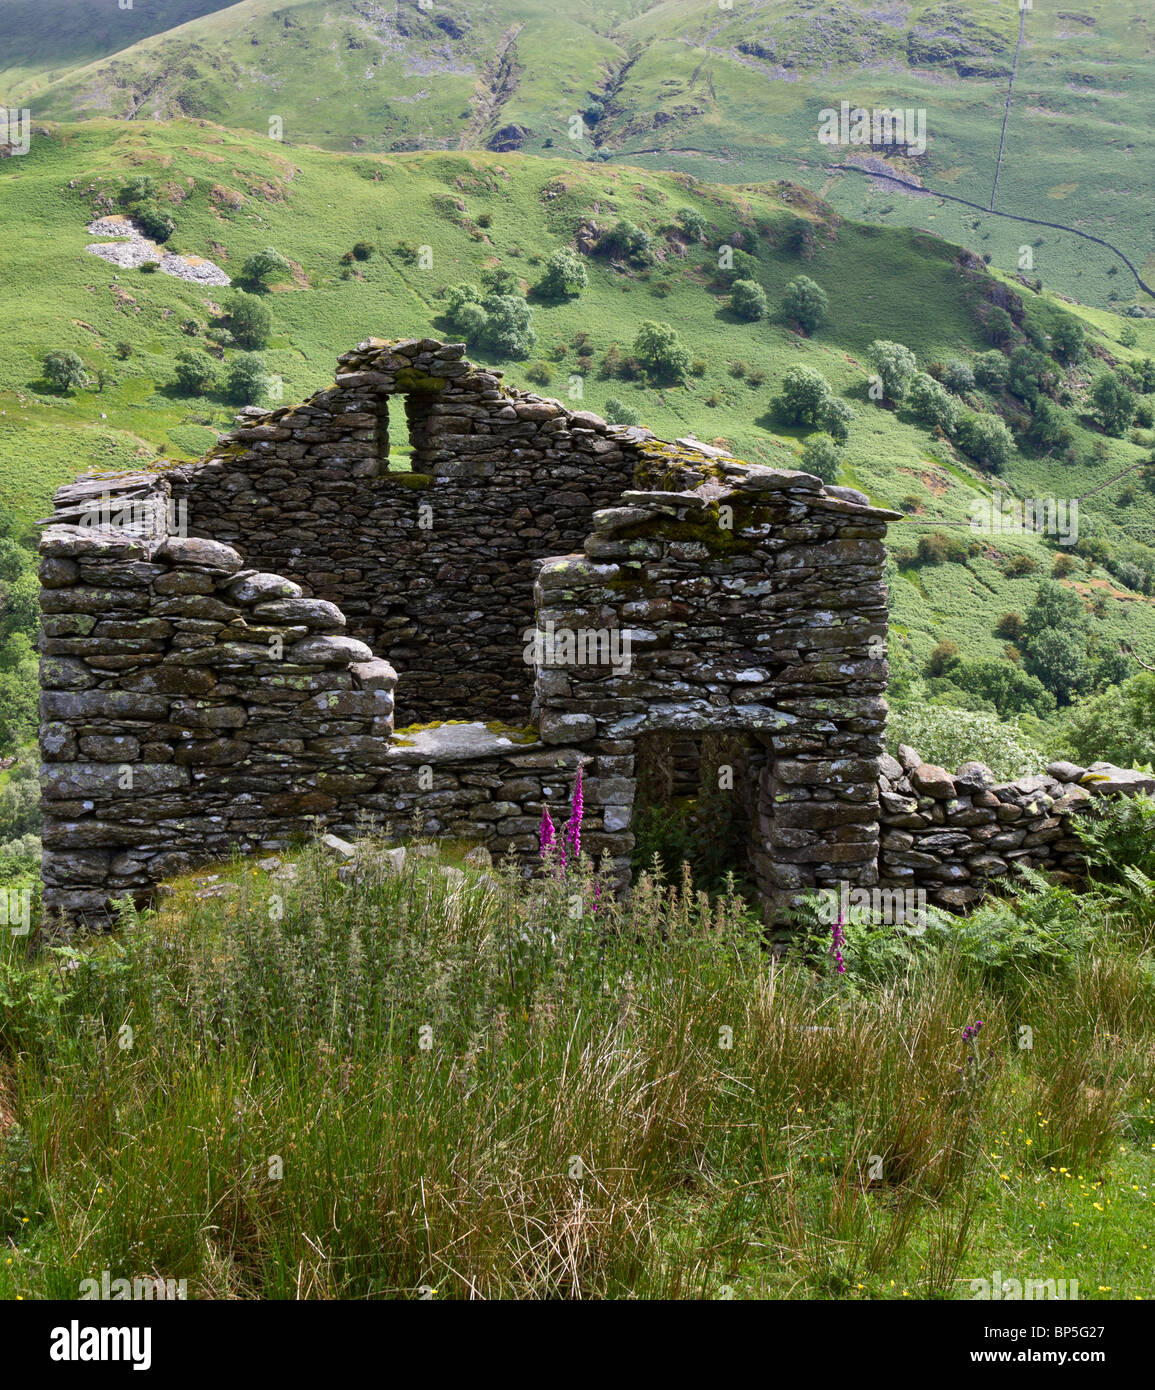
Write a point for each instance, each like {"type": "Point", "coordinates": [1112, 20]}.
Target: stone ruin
{"type": "Point", "coordinates": [304, 632]}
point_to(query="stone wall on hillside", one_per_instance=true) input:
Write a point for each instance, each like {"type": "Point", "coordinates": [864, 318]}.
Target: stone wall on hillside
{"type": "Point", "coordinates": [951, 835]}
{"type": "Point", "coordinates": [751, 604]}
{"type": "Point", "coordinates": [193, 707]}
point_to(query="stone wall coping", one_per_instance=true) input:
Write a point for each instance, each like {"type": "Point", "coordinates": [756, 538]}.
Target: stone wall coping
{"type": "Point", "coordinates": [456, 742]}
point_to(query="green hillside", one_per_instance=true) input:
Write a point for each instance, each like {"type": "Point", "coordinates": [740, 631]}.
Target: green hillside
{"type": "Point", "coordinates": [730, 95]}
{"type": "Point", "coordinates": [44, 39]}
{"type": "Point", "coordinates": [231, 195]}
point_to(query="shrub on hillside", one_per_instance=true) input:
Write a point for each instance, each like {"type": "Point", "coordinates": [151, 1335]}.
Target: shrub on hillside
{"type": "Point", "coordinates": [618, 413]}
{"type": "Point", "coordinates": [931, 404]}
{"type": "Point", "coordinates": [658, 347]}
{"type": "Point", "coordinates": [805, 302]}
{"type": "Point", "coordinates": [991, 370]}
{"type": "Point", "coordinates": [748, 300]}
{"type": "Point", "coordinates": [1117, 725]}
{"type": "Point", "coordinates": [986, 439]}
{"type": "Point", "coordinates": [1114, 403]}
{"type": "Point", "coordinates": [155, 224]}
{"type": "Point", "coordinates": [250, 321]}
{"type": "Point", "coordinates": [822, 457]}
{"type": "Point", "coordinates": [958, 377]}
{"type": "Point", "coordinates": [1067, 339]}
{"type": "Point", "coordinates": [627, 240]}
{"type": "Point", "coordinates": [692, 222]}
{"type": "Point", "coordinates": [896, 366]}
{"type": "Point", "coordinates": [951, 737]}
{"type": "Point", "coordinates": [195, 374]}
{"type": "Point", "coordinates": [65, 370]}
{"type": "Point", "coordinates": [565, 275]}
{"type": "Point", "coordinates": [264, 267]}
{"type": "Point", "coordinates": [246, 380]}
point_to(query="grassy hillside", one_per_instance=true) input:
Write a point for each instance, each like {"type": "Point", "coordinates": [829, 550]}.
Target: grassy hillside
{"type": "Point", "coordinates": [232, 195]}
{"type": "Point", "coordinates": [730, 95]}
{"type": "Point", "coordinates": [45, 39]}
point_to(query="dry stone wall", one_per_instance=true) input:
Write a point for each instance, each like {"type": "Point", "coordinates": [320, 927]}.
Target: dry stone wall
{"type": "Point", "coordinates": [752, 602]}
{"type": "Point", "coordinates": [192, 706]}
{"type": "Point", "coordinates": [951, 835]}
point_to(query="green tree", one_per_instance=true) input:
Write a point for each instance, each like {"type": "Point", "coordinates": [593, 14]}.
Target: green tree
{"type": "Point", "coordinates": [1059, 660]}
{"type": "Point", "coordinates": [507, 325]}
{"type": "Point", "coordinates": [804, 397]}
{"type": "Point", "coordinates": [958, 377]}
{"type": "Point", "coordinates": [250, 321]}
{"type": "Point", "coordinates": [1000, 327]}
{"type": "Point", "coordinates": [565, 275]}
{"type": "Point", "coordinates": [196, 373]}
{"type": "Point", "coordinates": [65, 370]}
{"type": "Point", "coordinates": [263, 267]}
{"type": "Point", "coordinates": [1117, 725]}
{"type": "Point", "coordinates": [991, 370]}
{"type": "Point", "coordinates": [821, 456]}
{"type": "Point", "coordinates": [1067, 339]}
{"type": "Point", "coordinates": [246, 380]}
{"type": "Point", "coordinates": [1029, 373]}
{"type": "Point", "coordinates": [836, 418]}
{"type": "Point", "coordinates": [156, 225]}
{"type": "Point", "coordinates": [1049, 429]}
{"type": "Point", "coordinates": [458, 296]}
{"type": "Point", "coordinates": [658, 347]}
{"type": "Point", "coordinates": [138, 189]}
{"type": "Point", "coordinates": [931, 403]}
{"type": "Point", "coordinates": [1008, 689]}
{"type": "Point", "coordinates": [618, 413]}
{"type": "Point", "coordinates": [986, 439]}
{"type": "Point", "coordinates": [1113, 401]}
{"type": "Point", "coordinates": [692, 222]}
{"type": "Point", "coordinates": [499, 279]}
{"type": "Point", "coordinates": [1055, 633]}
{"type": "Point", "coordinates": [805, 302]}
{"type": "Point", "coordinates": [895, 364]}
{"type": "Point", "coordinates": [626, 239]}
{"type": "Point", "coordinates": [748, 300]}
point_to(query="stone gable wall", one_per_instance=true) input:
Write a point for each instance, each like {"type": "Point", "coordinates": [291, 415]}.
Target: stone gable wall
{"type": "Point", "coordinates": [432, 568]}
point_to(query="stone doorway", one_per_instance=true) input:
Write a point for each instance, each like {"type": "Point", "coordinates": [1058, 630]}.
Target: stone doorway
{"type": "Point", "coordinates": [705, 797]}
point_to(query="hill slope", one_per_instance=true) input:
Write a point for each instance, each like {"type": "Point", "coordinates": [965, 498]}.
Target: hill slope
{"type": "Point", "coordinates": [232, 195]}
{"type": "Point", "coordinates": [731, 95]}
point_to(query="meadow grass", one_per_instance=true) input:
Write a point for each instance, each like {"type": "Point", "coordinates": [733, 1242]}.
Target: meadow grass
{"type": "Point", "coordinates": [409, 1082]}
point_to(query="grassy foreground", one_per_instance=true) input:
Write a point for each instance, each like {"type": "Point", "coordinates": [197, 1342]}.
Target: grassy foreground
{"type": "Point", "coordinates": [422, 1084]}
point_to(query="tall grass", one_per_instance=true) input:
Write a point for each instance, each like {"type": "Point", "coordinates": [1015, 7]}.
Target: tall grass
{"type": "Point", "coordinates": [411, 1082]}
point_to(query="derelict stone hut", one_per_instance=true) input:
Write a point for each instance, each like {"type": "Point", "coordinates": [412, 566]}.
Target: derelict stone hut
{"type": "Point", "coordinates": [313, 627]}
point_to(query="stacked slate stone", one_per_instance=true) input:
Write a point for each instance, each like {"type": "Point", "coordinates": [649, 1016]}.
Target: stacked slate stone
{"type": "Point", "coordinates": [190, 705]}
{"type": "Point", "coordinates": [950, 834]}
{"type": "Point", "coordinates": [753, 602]}
{"type": "Point", "coordinates": [432, 567]}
